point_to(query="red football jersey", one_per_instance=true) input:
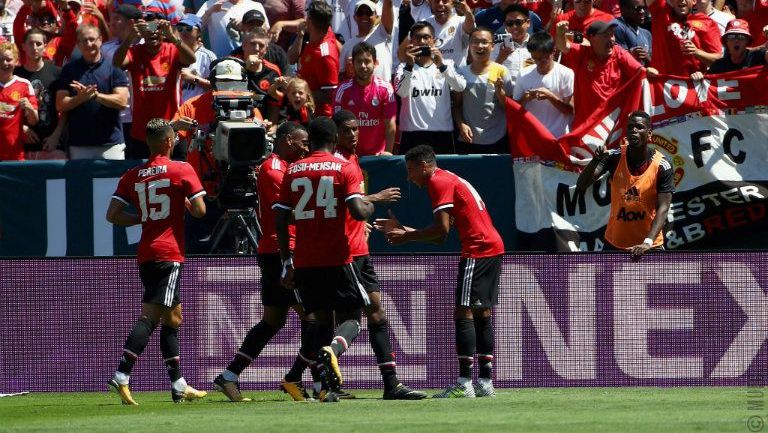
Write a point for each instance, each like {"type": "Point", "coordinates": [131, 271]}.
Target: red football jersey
{"type": "Point", "coordinates": [358, 241]}
{"type": "Point", "coordinates": [669, 34]}
{"type": "Point", "coordinates": [156, 88]}
{"type": "Point", "coordinates": [580, 24]}
{"type": "Point", "coordinates": [319, 66]}
{"type": "Point", "coordinates": [317, 189]}
{"type": "Point", "coordinates": [456, 196]}
{"type": "Point", "coordinates": [158, 189]}
{"type": "Point", "coordinates": [268, 183]}
{"type": "Point", "coordinates": [12, 117]}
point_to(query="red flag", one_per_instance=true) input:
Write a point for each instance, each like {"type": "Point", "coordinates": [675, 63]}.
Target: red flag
{"type": "Point", "coordinates": [529, 138]}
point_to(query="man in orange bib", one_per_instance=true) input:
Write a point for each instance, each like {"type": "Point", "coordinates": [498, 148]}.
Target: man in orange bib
{"type": "Point", "coordinates": [641, 189]}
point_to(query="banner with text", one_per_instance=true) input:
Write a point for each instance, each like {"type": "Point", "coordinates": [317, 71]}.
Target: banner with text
{"type": "Point", "coordinates": [562, 320]}
{"type": "Point", "coordinates": [715, 135]}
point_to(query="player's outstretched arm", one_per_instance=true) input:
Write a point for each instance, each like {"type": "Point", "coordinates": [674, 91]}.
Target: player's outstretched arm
{"type": "Point", "coordinates": [117, 215]}
{"type": "Point", "coordinates": [387, 195]}
{"type": "Point", "coordinates": [360, 209]}
{"type": "Point", "coordinates": [196, 207]}
{"type": "Point", "coordinates": [398, 234]}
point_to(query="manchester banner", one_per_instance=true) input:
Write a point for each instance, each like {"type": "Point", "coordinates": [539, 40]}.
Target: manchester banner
{"type": "Point", "coordinates": [715, 134]}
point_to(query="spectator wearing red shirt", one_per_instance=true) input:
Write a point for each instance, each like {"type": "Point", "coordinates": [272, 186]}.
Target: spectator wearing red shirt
{"type": "Point", "coordinates": [318, 59]}
{"type": "Point", "coordinates": [599, 69]}
{"type": "Point", "coordinates": [683, 42]}
{"type": "Point", "coordinates": [61, 40]}
{"type": "Point", "coordinates": [372, 100]}
{"type": "Point", "coordinates": [456, 203]}
{"type": "Point", "coordinates": [160, 190]}
{"type": "Point", "coordinates": [18, 105]}
{"type": "Point", "coordinates": [582, 15]}
{"type": "Point", "coordinates": [155, 69]}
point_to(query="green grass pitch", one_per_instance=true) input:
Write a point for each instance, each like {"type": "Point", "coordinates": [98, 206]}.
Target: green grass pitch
{"type": "Point", "coordinates": [699, 409]}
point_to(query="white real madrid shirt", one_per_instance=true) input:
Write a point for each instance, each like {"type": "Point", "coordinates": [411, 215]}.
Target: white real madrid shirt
{"type": "Point", "coordinates": [380, 40]}
{"type": "Point", "coordinates": [426, 96]}
{"type": "Point", "coordinates": [451, 39]}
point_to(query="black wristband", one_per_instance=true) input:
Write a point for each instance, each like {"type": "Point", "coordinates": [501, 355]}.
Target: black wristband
{"type": "Point", "coordinates": [443, 68]}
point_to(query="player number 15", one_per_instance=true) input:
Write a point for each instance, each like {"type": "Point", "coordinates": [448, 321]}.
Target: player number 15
{"type": "Point", "coordinates": [149, 197]}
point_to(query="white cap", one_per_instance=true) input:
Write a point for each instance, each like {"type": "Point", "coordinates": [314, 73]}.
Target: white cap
{"type": "Point", "coordinates": [368, 3]}
{"type": "Point", "coordinates": [228, 70]}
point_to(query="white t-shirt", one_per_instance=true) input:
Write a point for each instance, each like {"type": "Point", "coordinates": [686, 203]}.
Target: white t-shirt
{"type": "Point", "coordinates": [426, 96]}
{"type": "Point", "coordinates": [221, 43]}
{"type": "Point", "coordinates": [722, 19]}
{"type": "Point", "coordinates": [383, 44]}
{"type": "Point", "coordinates": [516, 61]}
{"type": "Point", "coordinates": [420, 11]}
{"type": "Point", "coordinates": [451, 39]}
{"type": "Point", "coordinates": [560, 82]}
{"type": "Point", "coordinates": [202, 68]}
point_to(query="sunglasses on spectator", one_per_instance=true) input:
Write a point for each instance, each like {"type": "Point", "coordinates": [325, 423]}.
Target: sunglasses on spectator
{"type": "Point", "coordinates": [184, 28]}
{"type": "Point", "coordinates": [45, 21]}
{"type": "Point", "coordinates": [515, 23]}
{"type": "Point", "coordinates": [737, 37]}
{"type": "Point", "coordinates": [364, 12]}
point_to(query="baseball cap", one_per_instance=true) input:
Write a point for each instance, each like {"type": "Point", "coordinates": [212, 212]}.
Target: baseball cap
{"type": "Point", "coordinates": [130, 12]}
{"type": "Point", "coordinates": [737, 27]}
{"type": "Point", "coordinates": [254, 15]}
{"type": "Point", "coordinates": [228, 70]}
{"type": "Point", "coordinates": [599, 27]}
{"type": "Point", "coordinates": [368, 3]}
{"type": "Point", "coordinates": [192, 20]}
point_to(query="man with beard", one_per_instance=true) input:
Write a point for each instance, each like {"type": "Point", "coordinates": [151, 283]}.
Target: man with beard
{"type": "Point", "coordinates": [684, 42]}
{"type": "Point", "coordinates": [43, 76]}
{"type": "Point", "coordinates": [629, 33]}
{"type": "Point", "coordinates": [155, 68]}
{"type": "Point", "coordinates": [737, 56]}
{"type": "Point", "coordinates": [641, 189]}
{"type": "Point", "coordinates": [373, 102]}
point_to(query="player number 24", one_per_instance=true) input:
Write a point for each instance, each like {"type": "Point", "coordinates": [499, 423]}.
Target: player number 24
{"type": "Point", "coordinates": [149, 197]}
{"type": "Point", "coordinates": [323, 199]}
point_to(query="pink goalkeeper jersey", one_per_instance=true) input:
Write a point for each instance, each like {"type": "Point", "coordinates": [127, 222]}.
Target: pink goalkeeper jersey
{"type": "Point", "coordinates": [372, 105]}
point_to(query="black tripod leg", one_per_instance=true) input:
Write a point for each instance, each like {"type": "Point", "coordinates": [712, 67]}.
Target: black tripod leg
{"type": "Point", "coordinates": [248, 232]}
{"type": "Point", "coordinates": [218, 232]}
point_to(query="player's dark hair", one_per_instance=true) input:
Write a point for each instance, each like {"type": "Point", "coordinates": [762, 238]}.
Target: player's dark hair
{"type": "Point", "coordinates": [479, 29]}
{"type": "Point", "coordinates": [625, 3]}
{"type": "Point", "coordinates": [522, 10]}
{"type": "Point", "coordinates": [540, 42]}
{"type": "Point", "coordinates": [158, 130]}
{"type": "Point", "coordinates": [322, 133]}
{"type": "Point", "coordinates": [343, 116]}
{"type": "Point", "coordinates": [320, 13]}
{"type": "Point", "coordinates": [364, 47]}
{"type": "Point", "coordinates": [421, 25]}
{"type": "Point", "coordinates": [287, 128]}
{"type": "Point", "coordinates": [421, 153]}
{"type": "Point", "coordinates": [641, 114]}
{"type": "Point", "coordinates": [35, 31]}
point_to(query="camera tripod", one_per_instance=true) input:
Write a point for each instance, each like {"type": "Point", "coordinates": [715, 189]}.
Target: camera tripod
{"type": "Point", "coordinates": [243, 229]}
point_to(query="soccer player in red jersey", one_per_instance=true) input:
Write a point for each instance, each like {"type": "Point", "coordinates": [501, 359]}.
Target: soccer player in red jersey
{"type": "Point", "coordinates": [160, 189]}
{"type": "Point", "coordinates": [454, 199]}
{"type": "Point", "coordinates": [155, 69]}
{"type": "Point", "coordinates": [318, 192]}
{"type": "Point", "coordinates": [357, 233]}
{"type": "Point", "coordinates": [18, 105]}
{"type": "Point", "coordinates": [291, 143]}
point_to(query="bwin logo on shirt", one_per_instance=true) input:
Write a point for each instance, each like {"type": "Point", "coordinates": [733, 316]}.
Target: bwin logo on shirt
{"type": "Point", "coordinates": [415, 93]}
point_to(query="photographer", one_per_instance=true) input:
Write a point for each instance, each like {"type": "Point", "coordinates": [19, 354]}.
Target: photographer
{"type": "Point", "coordinates": [155, 67]}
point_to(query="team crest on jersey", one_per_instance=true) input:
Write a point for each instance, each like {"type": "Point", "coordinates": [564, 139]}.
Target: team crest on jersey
{"type": "Point", "coordinates": [264, 85]}
{"type": "Point", "coordinates": [451, 30]}
{"type": "Point", "coordinates": [165, 66]}
{"type": "Point", "coordinates": [15, 95]}
{"type": "Point", "coordinates": [375, 101]}
{"type": "Point", "coordinates": [50, 51]}
{"type": "Point", "coordinates": [671, 147]}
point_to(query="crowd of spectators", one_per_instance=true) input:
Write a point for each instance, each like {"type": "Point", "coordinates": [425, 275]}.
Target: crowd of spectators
{"type": "Point", "coordinates": [80, 78]}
